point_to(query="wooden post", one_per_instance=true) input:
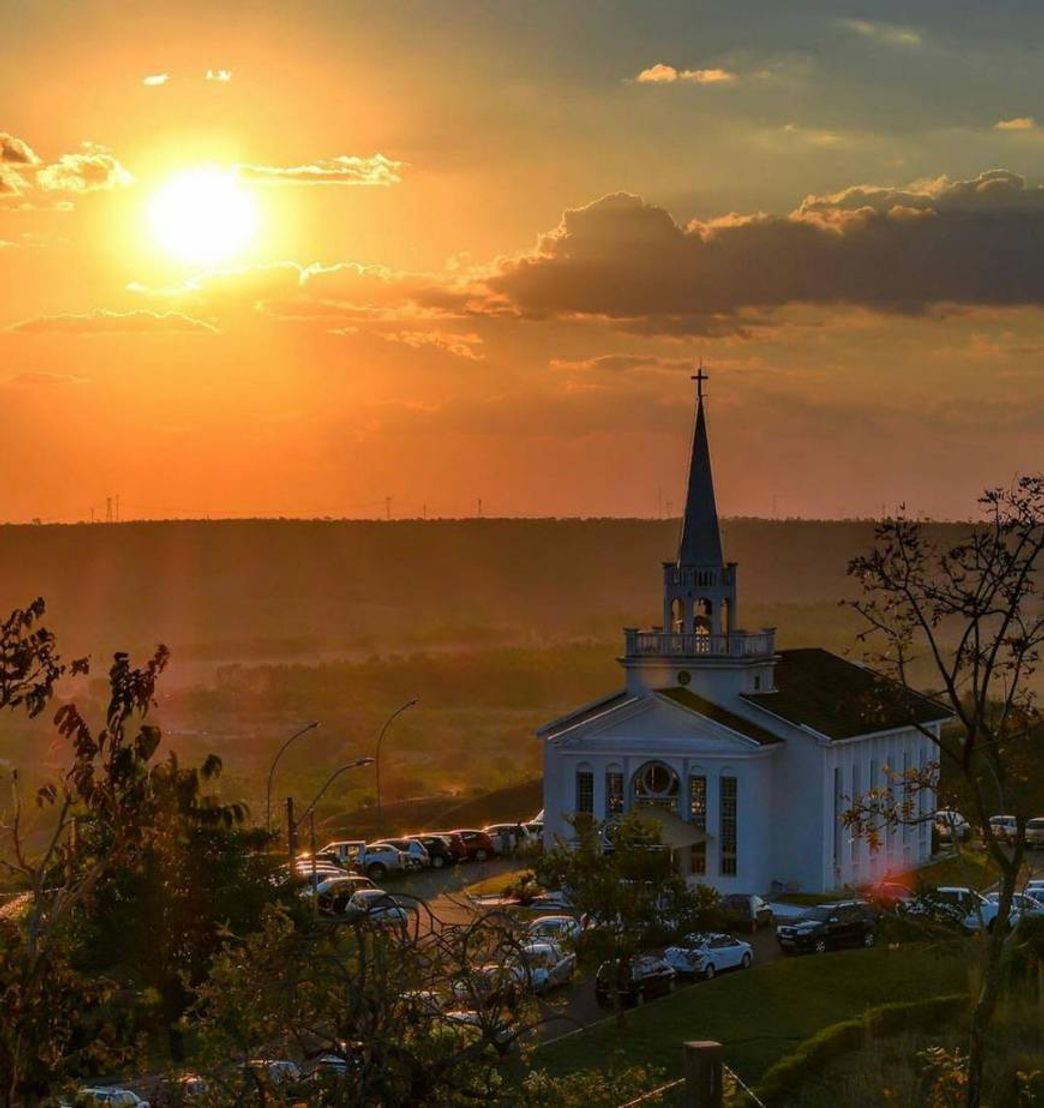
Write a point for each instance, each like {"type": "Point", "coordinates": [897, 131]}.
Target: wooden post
{"type": "Point", "coordinates": [702, 1075]}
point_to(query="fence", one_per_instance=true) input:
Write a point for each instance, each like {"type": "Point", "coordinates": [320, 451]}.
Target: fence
{"type": "Point", "coordinates": [706, 1084]}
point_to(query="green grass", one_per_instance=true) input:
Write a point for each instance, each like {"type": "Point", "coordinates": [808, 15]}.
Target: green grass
{"type": "Point", "coordinates": [763, 1014]}
{"type": "Point", "coordinates": [972, 868]}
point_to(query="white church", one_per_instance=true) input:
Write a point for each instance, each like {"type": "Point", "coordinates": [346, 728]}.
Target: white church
{"type": "Point", "coordinates": [746, 755]}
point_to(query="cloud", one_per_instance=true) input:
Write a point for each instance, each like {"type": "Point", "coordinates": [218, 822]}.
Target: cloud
{"type": "Point", "coordinates": [661, 74]}
{"type": "Point", "coordinates": [23, 172]}
{"type": "Point", "coordinates": [620, 363]}
{"type": "Point", "coordinates": [1019, 123]}
{"type": "Point", "coordinates": [103, 321]}
{"type": "Point", "coordinates": [13, 151]}
{"type": "Point", "coordinates": [32, 378]}
{"type": "Point", "coordinates": [450, 342]}
{"type": "Point", "coordinates": [153, 80]}
{"type": "Point", "coordinates": [344, 169]}
{"type": "Point", "coordinates": [620, 259]}
{"type": "Point", "coordinates": [94, 169]}
{"type": "Point", "coordinates": [890, 34]}
{"type": "Point", "coordinates": [221, 76]}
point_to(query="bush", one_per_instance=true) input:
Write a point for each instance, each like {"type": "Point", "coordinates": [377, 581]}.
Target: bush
{"type": "Point", "coordinates": [786, 1078]}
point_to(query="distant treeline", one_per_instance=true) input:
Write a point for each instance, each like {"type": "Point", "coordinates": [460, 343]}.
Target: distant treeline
{"type": "Point", "coordinates": [241, 590]}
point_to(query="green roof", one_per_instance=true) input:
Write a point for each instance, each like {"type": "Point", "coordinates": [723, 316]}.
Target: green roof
{"type": "Point", "coordinates": [717, 714]}
{"type": "Point", "coordinates": [840, 699]}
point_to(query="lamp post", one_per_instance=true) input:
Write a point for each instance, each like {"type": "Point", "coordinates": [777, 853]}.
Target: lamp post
{"type": "Point", "coordinates": [309, 813]}
{"type": "Point", "coordinates": [377, 759]}
{"type": "Point", "coordinates": [275, 762]}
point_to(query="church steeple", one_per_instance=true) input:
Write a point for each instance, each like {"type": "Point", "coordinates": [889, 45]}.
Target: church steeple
{"type": "Point", "coordinates": [700, 543]}
{"type": "Point", "coordinates": [699, 589]}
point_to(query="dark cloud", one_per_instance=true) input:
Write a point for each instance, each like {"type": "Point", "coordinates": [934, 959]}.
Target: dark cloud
{"type": "Point", "coordinates": [103, 321]}
{"type": "Point", "coordinates": [13, 151]}
{"type": "Point", "coordinates": [33, 378]}
{"type": "Point", "coordinates": [618, 363]}
{"type": "Point", "coordinates": [975, 242]}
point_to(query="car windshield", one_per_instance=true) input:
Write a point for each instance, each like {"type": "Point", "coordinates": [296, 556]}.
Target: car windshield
{"type": "Point", "coordinates": [819, 915]}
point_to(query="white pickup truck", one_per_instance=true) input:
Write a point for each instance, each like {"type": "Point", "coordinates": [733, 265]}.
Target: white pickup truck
{"type": "Point", "coordinates": [343, 851]}
{"type": "Point", "coordinates": [377, 860]}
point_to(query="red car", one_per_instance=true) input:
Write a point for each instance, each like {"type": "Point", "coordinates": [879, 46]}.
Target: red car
{"type": "Point", "coordinates": [478, 846]}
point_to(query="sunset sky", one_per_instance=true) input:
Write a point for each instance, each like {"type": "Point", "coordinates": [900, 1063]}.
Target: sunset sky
{"type": "Point", "coordinates": [293, 259]}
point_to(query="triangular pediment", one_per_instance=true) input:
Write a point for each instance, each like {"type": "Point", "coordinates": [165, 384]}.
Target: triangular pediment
{"type": "Point", "coordinates": [654, 721]}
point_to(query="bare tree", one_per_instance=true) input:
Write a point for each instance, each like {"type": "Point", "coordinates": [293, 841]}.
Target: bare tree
{"type": "Point", "coordinates": [967, 620]}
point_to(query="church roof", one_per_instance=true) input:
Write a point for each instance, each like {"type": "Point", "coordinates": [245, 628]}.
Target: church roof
{"type": "Point", "coordinates": [840, 699]}
{"type": "Point", "coordinates": [699, 704]}
{"type": "Point", "coordinates": [587, 712]}
{"type": "Point", "coordinates": [700, 543]}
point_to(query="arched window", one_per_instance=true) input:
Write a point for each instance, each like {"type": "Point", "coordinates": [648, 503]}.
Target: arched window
{"type": "Point", "coordinates": [701, 622]}
{"type": "Point", "coordinates": [656, 785]}
{"type": "Point", "coordinates": [614, 790]}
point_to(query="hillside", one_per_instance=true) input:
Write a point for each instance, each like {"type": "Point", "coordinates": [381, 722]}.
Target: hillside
{"type": "Point", "coordinates": [235, 590]}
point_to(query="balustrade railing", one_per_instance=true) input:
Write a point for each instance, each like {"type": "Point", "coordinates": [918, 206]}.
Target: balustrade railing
{"type": "Point", "coordinates": [737, 644]}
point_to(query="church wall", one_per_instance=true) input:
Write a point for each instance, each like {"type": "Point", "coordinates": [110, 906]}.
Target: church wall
{"type": "Point", "coordinates": [797, 813]}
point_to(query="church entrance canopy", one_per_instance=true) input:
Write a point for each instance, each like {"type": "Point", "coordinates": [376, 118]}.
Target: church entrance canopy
{"type": "Point", "coordinates": [675, 832]}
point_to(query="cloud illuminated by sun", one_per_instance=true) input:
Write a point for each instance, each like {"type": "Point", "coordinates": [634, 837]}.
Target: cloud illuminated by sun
{"type": "Point", "coordinates": [202, 216]}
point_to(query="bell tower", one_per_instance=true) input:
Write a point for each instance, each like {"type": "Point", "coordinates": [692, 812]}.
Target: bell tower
{"type": "Point", "coordinates": [699, 589]}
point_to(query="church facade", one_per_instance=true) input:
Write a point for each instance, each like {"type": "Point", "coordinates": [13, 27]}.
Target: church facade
{"type": "Point", "coordinates": [746, 756]}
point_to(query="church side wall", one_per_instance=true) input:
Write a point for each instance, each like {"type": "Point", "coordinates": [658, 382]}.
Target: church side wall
{"type": "Point", "coordinates": [797, 815]}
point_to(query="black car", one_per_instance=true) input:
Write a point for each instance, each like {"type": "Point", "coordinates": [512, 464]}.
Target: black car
{"type": "Point", "coordinates": [632, 980]}
{"type": "Point", "coordinates": [745, 911]}
{"type": "Point", "coordinates": [847, 923]}
{"type": "Point", "coordinates": [439, 849]}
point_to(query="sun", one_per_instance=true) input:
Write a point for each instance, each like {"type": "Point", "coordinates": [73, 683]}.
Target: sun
{"type": "Point", "coordinates": [202, 216]}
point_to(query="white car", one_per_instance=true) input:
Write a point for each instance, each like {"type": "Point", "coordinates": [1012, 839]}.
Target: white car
{"type": "Point", "coordinates": [957, 903]}
{"type": "Point", "coordinates": [1035, 886]}
{"type": "Point", "coordinates": [950, 824]}
{"type": "Point", "coordinates": [704, 955]}
{"type": "Point", "coordinates": [1022, 904]}
{"type": "Point", "coordinates": [1004, 827]}
{"type": "Point", "coordinates": [377, 860]}
{"type": "Point", "coordinates": [114, 1097]}
{"type": "Point", "coordinates": [376, 906]}
{"type": "Point", "coordinates": [559, 929]}
{"type": "Point", "coordinates": [1035, 832]}
{"type": "Point", "coordinates": [343, 851]}
{"type": "Point", "coordinates": [544, 965]}
{"type": "Point", "coordinates": [275, 1071]}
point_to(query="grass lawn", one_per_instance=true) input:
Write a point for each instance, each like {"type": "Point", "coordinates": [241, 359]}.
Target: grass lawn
{"type": "Point", "coordinates": [497, 883]}
{"type": "Point", "coordinates": [971, 868]}
{"type": "Point", "coordinates": [762, 1014]}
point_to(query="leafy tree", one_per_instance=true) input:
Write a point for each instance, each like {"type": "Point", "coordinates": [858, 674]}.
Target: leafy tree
{"type": "Point", "coordinates": [972, 612]}
{"type": "Point", "coordinates": [631, 897]}
{"type": "Point", "coordinates": [109, 809]}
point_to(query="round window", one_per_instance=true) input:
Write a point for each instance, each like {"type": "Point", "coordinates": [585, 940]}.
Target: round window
{"type": "Point", "coordinates": [684, 677]}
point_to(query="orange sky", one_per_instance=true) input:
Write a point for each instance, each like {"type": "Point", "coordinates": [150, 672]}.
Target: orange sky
{"type": "Point", "coordinates": [491, 242]}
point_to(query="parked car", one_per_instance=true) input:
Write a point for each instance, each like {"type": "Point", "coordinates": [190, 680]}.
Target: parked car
{"type": "Point", "coordinates": [544, 965]}
{"type": "Point", "coordinates": [342, 851]}
{"type": "Point", "coordinates": [418, 852]}
{"type": "Point", "coordinates": [633, 980]}
{"type": "Point", "coordinates": [498, 1032]}
{"type": "Point", "coordinates": [378, 907]}
{"type": "Point", "coordinates": [955, 904]}
{"type": "Point", "coordinates": [745, 910]}
{"type": "Point", "coordinates": [377, 860]}
{"type": "Point", "coordinates": [1034, 886]}
{"type": "Point", "coordinates": [111, 1096]}
{"type": "Point", "coordinates": [889, 894]}
{"type": "Point", "coordinates": [1005, 828]}
{"type": "Point", "coordinates": [704, 955]}
{"type": "Point", "coordinates": [828, 926]}
{"type": "Point", "coordinates": [560, 928]}
{"type": "Point", "coordinates": [1035, 832]}
{"type": "Point", "coordinates": [334, 893]}
{"type": "Point", "coordinates": [950, 825]}
{"type": "Point", "coordinates": [456, 844]}
{"type": "Point", "coordinates": [440, 849]}
{"type": "Point", "coordinates": [478, 846]}
{"type": "Point", "coordinates": [1022, 904]}
{"type": "Point", "coordinates": [507, 837]}
{"type": "Point", "coordinates": [494, 985]}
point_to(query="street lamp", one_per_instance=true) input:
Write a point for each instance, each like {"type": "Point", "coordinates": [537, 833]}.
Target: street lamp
{"type": "Point", "coordinates": [377, 760]}
{"type": "Point", "coordinates": [271, 772]}
{"type": "Point", "coordinates": [294, 824]}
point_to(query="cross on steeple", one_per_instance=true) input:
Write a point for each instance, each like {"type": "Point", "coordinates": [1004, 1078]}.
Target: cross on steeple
{"type": "Point", "coordinates": [699, 377]}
